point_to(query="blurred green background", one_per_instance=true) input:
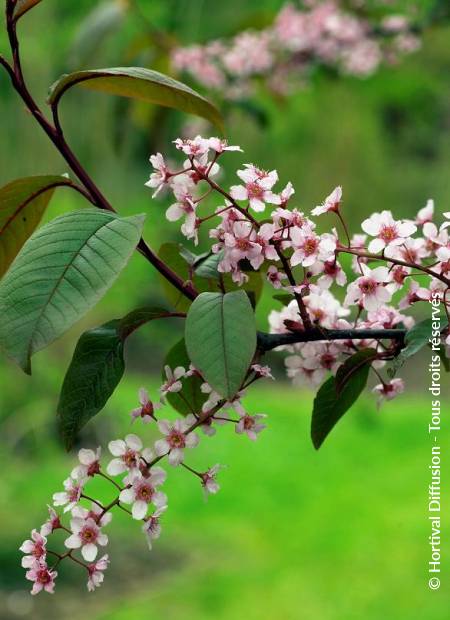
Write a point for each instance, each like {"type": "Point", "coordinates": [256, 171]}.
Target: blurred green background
{"type": "Point", "coordinates": [293, 534]}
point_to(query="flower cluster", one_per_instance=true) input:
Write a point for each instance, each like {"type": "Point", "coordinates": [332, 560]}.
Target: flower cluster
{"type": "Point", "coordinates": [320, 33]}
{"type": "Point", "coordinates": [136, 476]}
{"type": "Point", "coordinates": [395, 263]}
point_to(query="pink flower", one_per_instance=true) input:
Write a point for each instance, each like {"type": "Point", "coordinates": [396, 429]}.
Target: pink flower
{"type": "Point", "coordinates": [185, 206]}
{"type": "Point", "coordinates": [369, 289]}
{"type": "Point", "coordinates": [426, 213]}
{"type": "Point", "coordinates": [219, 146]}
{"type": "Point", "coordinates": [128, 453]}
{"type": "Point", "coordinates": [239, 244]}
{"type": "Point", "coordinates": [143, 491]}
{"type": "Point", "coordinates": [52, 523]}
{"type": "Point", "coordinates": [70, 496]}
{"type": "Point", "coordinates": [95, 572]}
{"type": "Point", "coordinates": [209, 481]}
{"type": "Point", "coordinates": [387, 231]}
{"type": "Point", "coordinates": [262, 371]}
{"type": "Point", "coordinates": [286, 194]}
{"type": "Point", "coordinates": [416, 293]}
{"type": "Point", "coordinates": [87, 535]}
{"type": "Point", "coordinates": [152, 526]}
{"type": "Point", "coordinates": [309, 247]}
{"type": "Point", "coordinates": [331, 202]}
{"type": "Point", "coordinates": [275, 277]}
{"type": "Point", "coordinates": [249, 424]}
{"type": "Point", "coordinates": [332, 273]}
{"type": "Point", "coordinates": [176, 439]}
{"type": "Point", "coordinates": [173, 383]}
{"type": "Point", "coordinates": [388, 391]}
{"type": "Point", "coordinates": [147, 409]}
{"type": "Point", "coordinates": [96, 513]}
{"type": "Point", "coordinates": [160, 177]}
{"type": "Point", "coordinates": [264, 236]}
{"type": "Point", "coordinates": [89, 464]}
{"type": "Point", "coordinates": [257, 188]}
{"type": "Point", "coordinates": [34, 548]}
{"type": "Point", "coordinates": [43, 578]}
{"type": "Point", "coordinates": [194, 148]}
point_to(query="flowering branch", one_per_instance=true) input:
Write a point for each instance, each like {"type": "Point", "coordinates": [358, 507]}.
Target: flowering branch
{"type": "Point", "coordinates": [55, 133]}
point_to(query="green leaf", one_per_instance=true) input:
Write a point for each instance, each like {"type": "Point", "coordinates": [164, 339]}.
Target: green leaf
{"type": "Point", "coordinates": [96, 369]}
{"type": "Point", "coordinates": [416, 338]}
{"type": "Point", "coordinates": [140, 316]}
{"type": "Point", "coordinates": [143, 84]}
{"type": "Point", "coordinates": [207, 268]}
{"type": "Point", "coordinates": [62, 271]}
{"type": "Point", "coordinates": [95, 28]}
{"type": "Point", "coordinates": [22, 204]}
{"type": "Point", "coordinates": [190, 399]}
{"type": "Point", "coordinates": [330, 405]}
{"type": "Point", "coordinates": [351, 365]}
{"type": "Point", "coordinates": [22, 6]}
{"type": "Point", "coordinates": [283, 298]}
{"type": "Point", "coordinates": [221, 339]}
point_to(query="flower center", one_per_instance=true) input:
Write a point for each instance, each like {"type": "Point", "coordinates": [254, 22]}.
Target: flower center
{"type": "Point", "coordinates": [248, 423]}
{"type": "Point", "coordinates": [176, 439]}
{"type": "Point", "coordinates": [327, 360]}
{"type": "Point", "coordinates": [93, 468]}
{"type": "Point", "coordinates": [368, 287]}
{"type": "Point", "coordinates": [88, 535]}
{"type": "Point", "coordinates": [310, 246]}
{"type": "Point", "coordinates": [43, 576]}
{"type": "Point", "coordinates": [243, 244]}
{"type": "Point", "coordinates": [254, 190]}
{"type": "Point", "coordinates": [388, 233]}
{"type": "Point", "coordinates": [144, 493]}
{"type": "Point", "coordinates": [129, 458]}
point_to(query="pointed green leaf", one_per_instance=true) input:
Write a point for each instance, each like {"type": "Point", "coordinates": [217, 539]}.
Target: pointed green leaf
{"type": "Point", "coordinates": [140, 316]}
{"type": "Point", "coordinates": [22, 204]}
{"type": "Point", "coordinates": [143, 84]}
{"type": "Point", "coordinates": [330, 405]}
{"type": "Point", "coordinates": [96, 368]}
{"type": "Point", "coordinates": [351, 365]}
{"type": "Point", "coordinates": [221, 339]}
{"type": "Point", "coordinates": [190, 399]}
{"type": "Point", "coordinates": [61, 272]}
{"type": "Point", "coordinates": [416, 338]}
{"type": "Point", "coordinates": [22, 6]}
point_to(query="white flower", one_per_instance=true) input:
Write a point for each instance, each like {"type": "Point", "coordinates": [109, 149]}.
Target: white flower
{"type": "Point", "coordinates": [219, 146]}
{"type": "Point", "coordinates": [331, 202]}
{"type": "Point", "coordinates": [257, 188]}
{"type": "Point", "coordinates": [426, 213]}
{"type": "Point", "coordinates": [147, 409]}
{"type": "Point", "coordinates": [161, 175]}
{"type": "Point", "coordinates": [152, 526]}
{"type": "Point", "coordinates": [128, 453]}
{"type": "Point", "coordinates": [35, 548]}
{"type": "Point", "coordinates": [176, 439]}
{"type": "Point", "coordinates": [369, 289]}
{"type": "Point", "coordinates": [143, 491]}
{"type": "Point", "coordinates": [52, 523]}
{"type": "Point", "coordinates": [248, 424]}
{"type": "Point", "coordinates": [309, 247]}
{"type": "Point", "coordinates": [387, 231]}
{"type": "Point", "coordinates": [389, 390]}
{"type": "Point", "coordinates": [173, 383]}
{"type": "Point", "coordinates": [95, 571]}
{"type": "Point", "coordinates": [89, 464]}
{"type": "Point", "coordinates": [70, 496]}
{"type": "Point", "coordinates": [209, 481]}
{"type": "Point", "coordinates": [87, 535]}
